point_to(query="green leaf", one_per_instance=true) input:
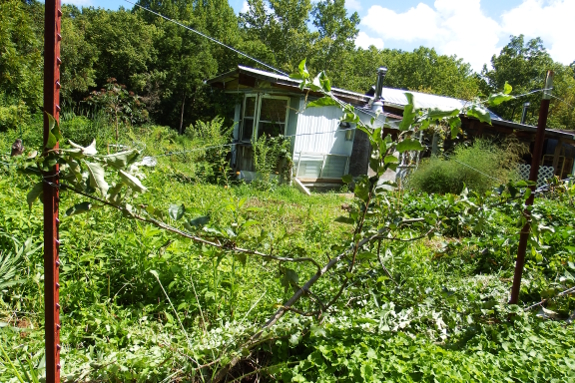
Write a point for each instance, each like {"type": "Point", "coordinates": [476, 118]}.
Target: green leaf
{"type": "Point", "coordinates": [132, 182]}
{"type": "Point", "coordinates": [242, 258]}
{"type": "Point", "coordinates": [120, 160]}
{"type": "Point", "coordinates": [438, 114]}
{"type": "Point", "coordinates": [90, 150]}
{"type": "Point", "coordinates": [409, 144]}
{"type": "Point", "coordinates": [302, 73]}
{"type": "Point", "coordinates": [324, 101]}
{"type": "Point", "coordinates": [454, 125]}
{"type": "Point", "coordinates": [498, 98]}
{"type": "Point", "coordinates": [79, 208]}
{"type": "Point", "coordinates": [347, 178]}
{"type": "Point", "coordinates": [343, 219]}
{"type": "Point", "coordinates": [480, 113]}
{"type": "Point", "coordinates": [324, 82]}
{"type": "Point", "coordinates": [96, 177]}
{"type": "Point", "coordinates": [199, 221]}
{"type": "Point", "coordinates": [114, 192]}
{"type": "Point", "coordinates": [54, 134]}
{"type": "Point", "coordinates": [507, 88]}
{"type": "Point", "coordinates": [289, 278]}
{"type": "Point", "coordinates": [52, 141]}
{"type": "Point", "coordinates": [408, 113]}
{"type": "Point", "coordinates": [391, 160]}
{"type": "Point", "coordinates": [33, 194]}
{"type": "Point", "coordinates": [318, 331]}
{"type": "Point", "coordinates": [176, 212]}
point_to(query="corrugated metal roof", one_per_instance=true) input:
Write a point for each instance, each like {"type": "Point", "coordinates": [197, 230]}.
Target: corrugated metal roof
{"type": "Point", "coordinates": [397, 97]}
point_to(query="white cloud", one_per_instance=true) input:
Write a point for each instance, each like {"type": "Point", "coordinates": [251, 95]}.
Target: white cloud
{"type": "Point", "coordinates": [364, 41]}
{"type": "Point", "coordinates": [245, 7]}
{"type": "Point", "coordinates": [553, 21]}
{"type": "Point", "coordinates": [78, 3]}
{"type": "Point", "coordinates": [453, 27]}
{"type": "Point", "coordinates": [354, 5]}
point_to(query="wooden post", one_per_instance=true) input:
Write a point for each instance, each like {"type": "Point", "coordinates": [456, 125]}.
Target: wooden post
{"type": "Point", "coordinates": [537, 151]}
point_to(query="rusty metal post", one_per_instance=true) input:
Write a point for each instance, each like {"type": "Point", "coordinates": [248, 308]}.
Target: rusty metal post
{"type": "Point", "coordinates": [535, 161]}
{"type": "Point", "coordinates": [52, 38]}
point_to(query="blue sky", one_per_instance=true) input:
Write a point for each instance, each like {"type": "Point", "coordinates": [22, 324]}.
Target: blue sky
{"type": "Point", "coordinates": [471, 29]}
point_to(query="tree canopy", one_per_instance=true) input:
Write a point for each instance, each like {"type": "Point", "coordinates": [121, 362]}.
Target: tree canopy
{"type": "Point", "coordinates": [167, 65]}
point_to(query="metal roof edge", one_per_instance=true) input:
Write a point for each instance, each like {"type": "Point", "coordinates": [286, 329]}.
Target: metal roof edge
{"type": "Point", "coordinates": [283, 80]}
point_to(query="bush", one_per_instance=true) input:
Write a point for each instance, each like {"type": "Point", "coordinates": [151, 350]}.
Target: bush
{"type": "Point", "coordinates": [272, 161]}
{"type": "Point", "coordinates": [478, 167]}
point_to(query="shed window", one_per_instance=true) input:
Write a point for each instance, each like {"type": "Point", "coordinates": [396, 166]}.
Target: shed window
{"type": "Point", "coordinates": [249, 118]}
{"type": "Point", "coordinates": [264, 115]}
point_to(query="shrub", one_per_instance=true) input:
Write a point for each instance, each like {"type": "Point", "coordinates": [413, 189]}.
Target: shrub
{"type": "Point", "coordinates": [272, 161]}
{"type": "Point", "coordinates": [479, 167]}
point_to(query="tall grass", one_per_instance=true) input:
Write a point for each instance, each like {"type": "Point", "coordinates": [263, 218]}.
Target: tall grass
{"type": "Point", "coordinates": [479, 167]}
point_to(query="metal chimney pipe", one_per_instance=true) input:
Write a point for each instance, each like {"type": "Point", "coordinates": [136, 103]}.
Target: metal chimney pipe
{"type": "Point", "coordinates": [524, 115]}
{"type": "Point", "coordinates": [381, 72]}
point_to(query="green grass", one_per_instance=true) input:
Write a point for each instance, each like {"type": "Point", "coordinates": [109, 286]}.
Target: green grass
{"type": "Point", "coordinates": [446, 321]}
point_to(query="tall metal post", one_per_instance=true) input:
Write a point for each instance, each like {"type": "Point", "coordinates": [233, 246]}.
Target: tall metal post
{"type": "Point", "coordinates": [52, 38]}
{"type": "Point", "coordinates": [536, 160]}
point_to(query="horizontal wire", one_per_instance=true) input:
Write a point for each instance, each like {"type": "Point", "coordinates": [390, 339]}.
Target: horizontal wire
{"type": "Point", "coordinates": [211, 39]}
{"type": "Point", "coordinates": [241, 143]}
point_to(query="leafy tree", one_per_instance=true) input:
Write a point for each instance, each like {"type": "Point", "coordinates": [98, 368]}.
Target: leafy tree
{"type": "Point", "coordinates": [126, 45]}
{"type": "Point", "coordinates": [185, 60]}
{"type": "Point", "coordinates": [523, 64]}
{"type": "Point", "coordinates": [78, 74]}
{"type": "Point", "coordinates": [21, 62]}
{"type": "Point", "coordinates": [336, 37]}
{"type": "Point", "coordinates": [421, 70]}
{"type": "Point", "coordinates": [282, 27]}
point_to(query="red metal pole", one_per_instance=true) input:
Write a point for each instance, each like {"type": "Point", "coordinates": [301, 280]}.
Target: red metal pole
{"type": "Point", "coordinates": [534, 172]}
{"type": "Point", "coordinates": [52, 37]}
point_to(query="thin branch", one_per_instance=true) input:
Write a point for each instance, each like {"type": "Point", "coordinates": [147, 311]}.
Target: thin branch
{"type": "Point", "coordinates": [162, 225]}
{"type": "Point", "coordinates": [383, 266]}
{"type": "Point", "coordinates": [565, 292]}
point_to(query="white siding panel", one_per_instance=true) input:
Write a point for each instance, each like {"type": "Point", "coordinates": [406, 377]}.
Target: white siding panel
{"type": "Point", "coordinates": [317, 132]}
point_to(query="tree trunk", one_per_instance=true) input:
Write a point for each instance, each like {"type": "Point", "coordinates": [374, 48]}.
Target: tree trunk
{"type": "Point", "coordinates": [181, 130]}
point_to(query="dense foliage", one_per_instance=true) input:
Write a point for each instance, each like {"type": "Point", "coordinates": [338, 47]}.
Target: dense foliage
{"type": "Point", "coordinates": [166, 65]}
{"type": "Point", "coordinates": [165, 277]}
{"type": "Point", "coordinates": [420, 310]}
{"type": "Point", "coordinates": [479, 166]}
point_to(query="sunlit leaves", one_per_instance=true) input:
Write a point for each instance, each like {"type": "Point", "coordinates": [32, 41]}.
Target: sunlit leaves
{"type": "Point", "coordinates": [133, 182]}
{"type": "Point", "coordinates": [409, 144]}
{"type": "Point", "coordinates": [90, 150]}
{"type": "Point", "coordinates": [409, 113]}
{"type": "Point", "coordinates": [479, 112]}
{"type": "Point", "coordinates": [96, 176]}
{"type": "Point", "coordinates": [122, 159]}
{"type": "Point", "coordinates": [324, 101]}
{"type": "Point", "coordinates": [498, 98]}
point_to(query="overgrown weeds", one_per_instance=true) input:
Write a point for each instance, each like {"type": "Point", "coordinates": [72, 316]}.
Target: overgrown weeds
{"type": "Point", "coordinates": [479, 166]}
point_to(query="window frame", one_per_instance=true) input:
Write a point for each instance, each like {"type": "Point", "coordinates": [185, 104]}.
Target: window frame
{"type": "Point", "coordinates": [259, 110]}
{"type": "Point", "coordinates": [243, 114]}
{"type": "Point", "coordinates": [259, 99]}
